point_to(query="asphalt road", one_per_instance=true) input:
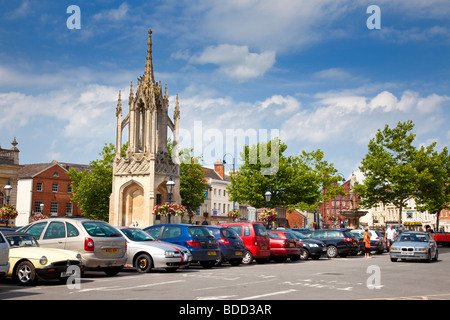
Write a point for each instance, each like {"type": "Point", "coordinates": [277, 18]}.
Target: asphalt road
{"type": "Point", "coordinates": [351, 278]}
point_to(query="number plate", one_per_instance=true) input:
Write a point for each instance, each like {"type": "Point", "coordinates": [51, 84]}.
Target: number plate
{"type": "Point", "coordinates": [67, 274]}
{"type": "Point", "coordinates": [291, 244]}
{"type": "Point", "coordinates": [407, 253]}
{"type": "Point", "coordinates": [111, 250]}
{"type": "Point", "coordinates": [211, 253]}
{"type": "Point", "coordinates": [263, 248]}
{"type": "Point", "coordinates": [238, 253]}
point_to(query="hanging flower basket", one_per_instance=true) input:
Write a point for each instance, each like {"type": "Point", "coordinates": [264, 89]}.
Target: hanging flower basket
{"type": "Point", "coordinates": [268, 214]}
{"type": "Point", "coordinates": [168, 209]}
{"type": "Point", "coordinates": [234, 214]}
{"type": "Point", "coordinates": [39, 216]}
{"type": "Point", "coordinates": [8, 212]}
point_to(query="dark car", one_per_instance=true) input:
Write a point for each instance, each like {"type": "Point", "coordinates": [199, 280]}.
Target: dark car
{"type": "Point", "coordinates": [312, 248]}
{"type": "Point", "coordinates": [203, 246]}
{"type": "Point", "coordinates": [339, 243]}
{"type": "Point", "coordinates": [231, 246]}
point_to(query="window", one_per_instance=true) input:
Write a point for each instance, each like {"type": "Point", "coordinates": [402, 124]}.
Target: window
{"type": "Point", "coordinates": [69, 188]}
{"type": "Point", "coordinates": [54, 208]}
{"type": "Point", "coordinates": [171, 232]}
{"type": "Point", "coordinates": [55, 174]}
{"type": "Point", "coordinates": [72, 231]}
{"type": "Point", "coordinates": [36, 229]}
{"type": "Point", "coordinates": [37, 206]}
{"type": "Point", "coordinates": [223, 211]}
{"type": "Point", "coordinates": [55, 230]}
{"type": "Point", "coordinates": [246, 231]}
{"type": "Point", "coordinates": [333, 234]}
{"type": "Point", "coordinates": [55, 187]}
{"type": "Point", "coordinates": [238, 229]}
{"type": "Point", "coordinates": [69, 208]}
{"type": "Point", "coordinates": [154, 232]}
{"type": "Point", "coordinates": [39, 186]}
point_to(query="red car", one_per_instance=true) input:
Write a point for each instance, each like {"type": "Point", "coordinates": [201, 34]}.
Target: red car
{"type": "Point", "coordinates": [255, 239]}
{"type": "Point", "coordinates": [282, 248]}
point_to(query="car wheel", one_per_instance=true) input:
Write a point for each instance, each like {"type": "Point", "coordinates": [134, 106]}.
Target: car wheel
{"type": "Point", "coordinates": [25, 273]}
{"type": "Point", "coordinates": [436, 256]}
{"type": "Point", "coordinates": [112, 271]}
{"type": "Point", "coordinates": [235, 262]}
{"type": "Point", "coordinates": [304, 255]}
{"type": "Point", "coordinates": [208, 264]}
{"type": "Point", "coordinates": [332, 252]}
{"type": "Point", "coordinates": [143, 263]}
{"type": "Point", "coordinates": [248, 258]}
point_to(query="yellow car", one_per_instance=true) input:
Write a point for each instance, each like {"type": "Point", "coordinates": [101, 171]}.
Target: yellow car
{"type": "Point", "coordinates": [29, 262]}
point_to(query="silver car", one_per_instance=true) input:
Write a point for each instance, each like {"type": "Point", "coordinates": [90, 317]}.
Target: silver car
{"type": "Point", "coordinates": [4, 256]}
{"type": "Point", "coordinates": [412, 245]}
{"type": "Point", "coordinates": [145, 252]}
{"type": "Point", "coordinates": [100, 245]}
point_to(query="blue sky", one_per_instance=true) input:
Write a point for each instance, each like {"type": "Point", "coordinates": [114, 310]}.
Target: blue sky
{"type": "Point", "coordinates": [310, 69]}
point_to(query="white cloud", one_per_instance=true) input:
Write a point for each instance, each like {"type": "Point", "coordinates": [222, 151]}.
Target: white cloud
{"type": "Point", "coordinates": [113, 14]}
{"type": "Point", "coordinates": [237, 62]}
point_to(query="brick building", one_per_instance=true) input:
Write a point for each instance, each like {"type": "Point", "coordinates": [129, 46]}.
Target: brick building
{"type": "Point", "coordinates": [48, 184]}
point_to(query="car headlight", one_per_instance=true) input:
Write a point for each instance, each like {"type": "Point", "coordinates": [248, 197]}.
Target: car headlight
{"type": "Point", "coordinates": [395, 249]}
{"type": "Point", "coordinates": [421, 249]}
{"type": "Point", "coordinates": [43, 260]}
{"type": "Point", "coordinates": [78, 257]}
{"type": "Point", "coordinates": [169, 254]}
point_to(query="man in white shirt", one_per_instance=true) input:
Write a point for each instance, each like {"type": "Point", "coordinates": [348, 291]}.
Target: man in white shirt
{"type": "Point", "coordinates": [390, 236]}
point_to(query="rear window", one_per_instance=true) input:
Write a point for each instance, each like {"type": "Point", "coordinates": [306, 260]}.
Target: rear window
{"type": "Point", "coordinates": [260, 230]}
{"type": "Point", "coordinates": [100, 229]}
{"type": "Point", "coordinates": [200, 232]}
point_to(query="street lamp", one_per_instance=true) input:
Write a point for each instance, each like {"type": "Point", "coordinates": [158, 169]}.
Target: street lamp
{"type": "Point", "coordinates": [42, 207]}
{"type": "Point", "coordinates": [234, 167]}
{"type": "Point", "coordinates": [170, 184]}
{"type": "Point", "coordinates": [268, 196]}
{"type": "Point", "coordinates": [7, 190]}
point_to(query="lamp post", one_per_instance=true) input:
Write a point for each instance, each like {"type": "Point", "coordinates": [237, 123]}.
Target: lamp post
{"type": "Point", "coordinates": [234, 167]}
{"type": "Point", "coordinates": [170, 184]}
{"type": "Point", "coordinates": [42, 207]}
{"type": "Point", "coordinates": [7, 190]}
{"type": "Point", "coordinates": [268, 196]}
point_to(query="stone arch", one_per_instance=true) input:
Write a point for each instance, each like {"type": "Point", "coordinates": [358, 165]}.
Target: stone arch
{"type": "Point", "coordinates": [132, 203]}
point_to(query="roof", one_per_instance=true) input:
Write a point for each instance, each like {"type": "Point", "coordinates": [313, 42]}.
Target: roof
{"type": "Point", "coordinates": [212, 174]}
{"type": "Point", "coordinates": [31, 170]}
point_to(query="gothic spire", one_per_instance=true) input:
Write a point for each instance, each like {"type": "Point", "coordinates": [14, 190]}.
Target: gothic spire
{"type": "Point", "coordinates": [148, 75]}
{"type": "Point", "coordinates": [176, 113]}
{"type": "Point", "coordinates": [119, 104]}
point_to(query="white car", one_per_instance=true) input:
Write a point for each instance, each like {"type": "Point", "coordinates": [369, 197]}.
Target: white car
{"type": "Point", "coordinates": [4, 256]}
{"type": "Point", "coordinates": [145, 252]}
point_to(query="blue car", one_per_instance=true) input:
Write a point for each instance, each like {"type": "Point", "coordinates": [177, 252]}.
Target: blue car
{"type": "Point", "coordinates": [203, 246]}
{"type": "Point", "coordinates": [232, 248]}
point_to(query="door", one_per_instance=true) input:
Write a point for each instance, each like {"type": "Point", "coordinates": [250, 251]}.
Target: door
{"type": "Point", "coordinates": [54, 236]}
{"type": "Point", "coordinates": [4, 251]}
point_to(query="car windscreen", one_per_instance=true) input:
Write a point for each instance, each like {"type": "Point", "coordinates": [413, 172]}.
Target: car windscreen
{"type": "Point", "coordinates": [100, 229]}
{"type": "Point", "coordinates": [200, 232]}
{"type": "Point", "coordinates": [260, 230]}
{"type": "Point", "coordinates": [413, 237]}
{"type": "Point", "coordinates": [20, 241]}
{"type": "Point", "coordinates": [137, 234]}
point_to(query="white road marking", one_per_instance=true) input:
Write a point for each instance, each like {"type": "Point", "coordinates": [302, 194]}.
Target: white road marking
{"type": "Point", "coordinates": [268, 294]}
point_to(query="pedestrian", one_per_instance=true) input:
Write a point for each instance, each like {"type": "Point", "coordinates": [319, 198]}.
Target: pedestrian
{"type": "Point", "coordinates": [366, 243]}
{"type": "Point", "coordinates": [391, 235]}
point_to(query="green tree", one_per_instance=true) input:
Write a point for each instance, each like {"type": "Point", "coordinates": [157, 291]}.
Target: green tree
{"type": "Point", "coordinates": [391, 175]}
{"type": "Point", "coordinates": [434, 183]}
{"type": "Point", "coordinates": [294, 181]}
{"type": "Point", "coordinates": [92, 188]}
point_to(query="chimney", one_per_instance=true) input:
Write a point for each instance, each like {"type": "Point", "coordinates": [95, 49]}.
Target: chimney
{"type": "Point", "coordinates": [219, 168]}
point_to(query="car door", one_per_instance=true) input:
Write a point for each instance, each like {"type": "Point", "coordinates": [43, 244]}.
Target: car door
{"type": "Point", "coordinates": [74, 238]}
{"type": "Point", "coordinates": [4, 251]}
{"type": "Point", "coordinates": [54, 235]}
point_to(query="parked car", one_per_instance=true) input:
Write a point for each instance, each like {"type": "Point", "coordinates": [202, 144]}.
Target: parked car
{"type": "Point", "coordinates": [198, 239]}
{"type": "Point", "coordinates": [145, 253]}
{"type": "Point", "coordinates": [338, 242]}
{"type": "Point", "coordinates": [256, 240]}
{"type": "Point", "coordinates": [282, 248]}
{"type": "Point", "coordinates": [377, 242]}
{"type": "Point", "coordinates": [312, 248]}
{"type": "Point", "coordinates": [442, 238]}
{"type": "Point", "coordinates": [231, 247]}
{"type": "Point", "coordinates": [414, 245]}
{"type": "Point", "coordinates": [4, 256]}
{"type": "Point", "coordinates": [30, 262]}
{"type": "Point", "coordinates": [101, 246]}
